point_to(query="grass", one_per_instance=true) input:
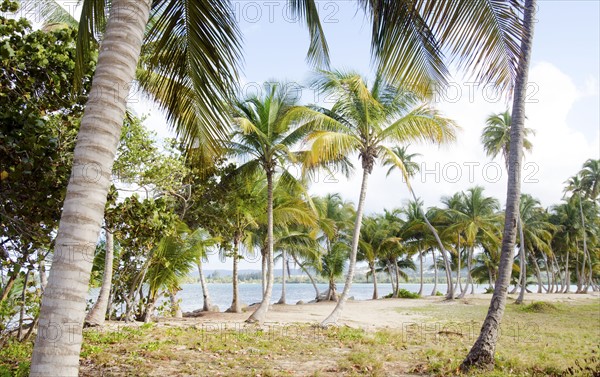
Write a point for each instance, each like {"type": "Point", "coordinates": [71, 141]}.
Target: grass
{"type": "Point", "coordinates": [538, 339]}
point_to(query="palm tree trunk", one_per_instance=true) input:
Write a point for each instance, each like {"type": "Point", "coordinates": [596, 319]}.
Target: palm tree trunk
{"type": "Point", "coordinates": [43, 277]}
{"type": "Point", "coordinates": [175, 307]}
{"type": "Point", "coordinates": [312, 280]}
{"type": "Point", "coordinates": [450, 293]}
{"type": "Point", "coordinates": [567, 275]}
{"type": "Point", "coordinates": [585, 249]}
{"type": "Point", "coordinates": [435, 275]}
{"type": "Point", "coordinates": [283, 258]}
{"type": "Point", "coordinates": [397, 277]}
{"type": "Point", "coordinates": [22, 311]}
{"type": "Point", "coordinates": [420, 273]}
{"type": "Point", "coordinates": [337, 311]}
{"type": "Point", "coordinates": [523, 266]}
{"type": "Point", "coordinates": [538, 274]}
{"type": "Point", "coordinates": [206, 306]}
{"type": "Point", "coordinates": [374, 273]}
{"type": "Point", "coordinates": [97, 314]}
{"type": "Point", "coordinates": [458, 282]}
{"type": "Point", "coordinates": [261, 312]}
{"type": "Point", "coordinates": [392, 282]}
{"type": "Point", "coordinates": [263, 271]}
{"type": "Point", "coordinates": [63, 304]}
{"type": "Point", "coordinates": [481, 354]}
{"type": "Point", "coordinates": [469, 278]}
{"type": "Point", "coordinates": [235, 302]}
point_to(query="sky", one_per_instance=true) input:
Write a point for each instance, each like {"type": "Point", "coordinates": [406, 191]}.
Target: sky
{"type": "Point", "coordinates": [563, 100]}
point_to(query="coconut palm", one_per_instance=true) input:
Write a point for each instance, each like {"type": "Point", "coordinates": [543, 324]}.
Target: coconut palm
{"type": "Point", "coordinates": [495, 138]}
{"type": "Point", "coordinates": [590, 178]}
{"type": "Point", "coordinates": [363, 120]}
{"type": "Point", "coordinates": [475, 216]}
{"type": "Point", "coordinates": [575, 185]}
{"type": "Point", "coordinates": [409, 168]}
{"type": "Point", "coordinates": [377, 239]}
{"type": "Point", "coordinates": [263, 139]}
{"type": "Point", "coordinates": [174, 258]}
{"type": "Point", "coordinates": [482, 353]}
{"type": "Point", "coordinates": [537, 231]}
{"type": "Point", "coordinates": [336, 218]}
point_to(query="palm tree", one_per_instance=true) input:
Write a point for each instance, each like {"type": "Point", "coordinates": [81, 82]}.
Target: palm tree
{"type": "Point", "coordinates": [174, 258]}
{"type": "Point", "coordinates": [475, 216]}
{"type": "Point", "coordinates": [536, 233]}
{"type": "Point", "coordinates": [361, 121]}
{"type": "Point", "coordinates": [377, 239]}
{"type": "Point", "coordinates": [481, 354]}
{"type": "Point", "coordinates": [575, 185]}
{"type": "Point", "coordinates": [336, 218]}
{"type": "Point", "coordinates": [97, 314]}
{"type": "Point", "coordinates": [408, 168]}
{"type": "Point", "coordinates": [264, 136]}
{"type": "Point", "coordinates": [495, 138]}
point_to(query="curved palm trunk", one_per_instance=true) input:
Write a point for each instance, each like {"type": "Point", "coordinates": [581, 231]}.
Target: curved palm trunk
{"type": "Point", "coordinates": [332, 290]}
{"type": "Point", "coordinates": [538, 274]}
{"type": "Point", "coordinates": [261, 313]}
{"type": "Point", "coordinates": [420, 273]}
{"type": "Point", "coordinates": [283, 258]}
{"type": "Point", "coordinates": [235, 302]}
{"type": "Point", "coordinates": [205, 294]}
{"type": "Point", "coordinates": [312, 280]}
{"type": "Point", "coordinates": [435, 275]}
{"type": "Point", "coordinates": [176, 309]}
{"type": "Point", "coordinates": [374, 273]}
{"type": "Point", "coordinates": [97, 315]}
{"type": "Point", "coordinates": [482, 353]}
{"type": "Point", "coordinates": [523, 266]}
{"type": "Point", "coordinates": [63, 305]}
{"type": "Point", "coordinates": [337, 311]}
{"type": "Point", "coordinates": [450, 293]}
{"type": "Point", "coordinates": [392, 282]}
{"type": "Point", "coordinates": [585, 249]}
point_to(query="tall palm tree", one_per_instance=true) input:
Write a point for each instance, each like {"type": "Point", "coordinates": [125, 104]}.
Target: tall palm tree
{"type": "Point", "coordinates": [495, 138]}
{"type": "Point", "coordinates": [482, 353]}
{"type": "Point", "coordinates": [336, 218]}
{"type": "Point", "coordinates": [475, 216]}
{"type": "Point", "coordinates": [409, 168]}
{"type": "Point", "coordinates": [264, 137]}
{"type": "Point", "coordinates": [377, 238]}
{"type": "Point", "coordinates": [575, 185]}
{"type": "Point", "coordinates": [363, 120]}
{"type": "Point", "coordinates": [536, 233]}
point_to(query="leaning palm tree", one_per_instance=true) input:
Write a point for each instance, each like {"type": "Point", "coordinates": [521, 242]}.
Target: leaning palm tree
{"type": "Point", "coordinates": [362, 121]}
{"type": "Point", "coordinates": [495, 138]}
{"type": "Point", "coordinates": [409, 168]}
{"type": "Point", "coordinates": [481, 354]}
{"type": "Point", "coordinates": [264, 137]}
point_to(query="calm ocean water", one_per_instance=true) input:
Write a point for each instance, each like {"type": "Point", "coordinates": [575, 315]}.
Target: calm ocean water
{"type": "Point", "coordinates": [221, 294]}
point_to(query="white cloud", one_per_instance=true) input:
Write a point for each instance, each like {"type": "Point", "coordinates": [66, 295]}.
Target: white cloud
{"type": "Point", "coordinates": [559, 149]}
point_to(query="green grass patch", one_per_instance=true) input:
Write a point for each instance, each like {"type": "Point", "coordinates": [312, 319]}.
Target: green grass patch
{"type": "Point", "coordinates": [540, 307]}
